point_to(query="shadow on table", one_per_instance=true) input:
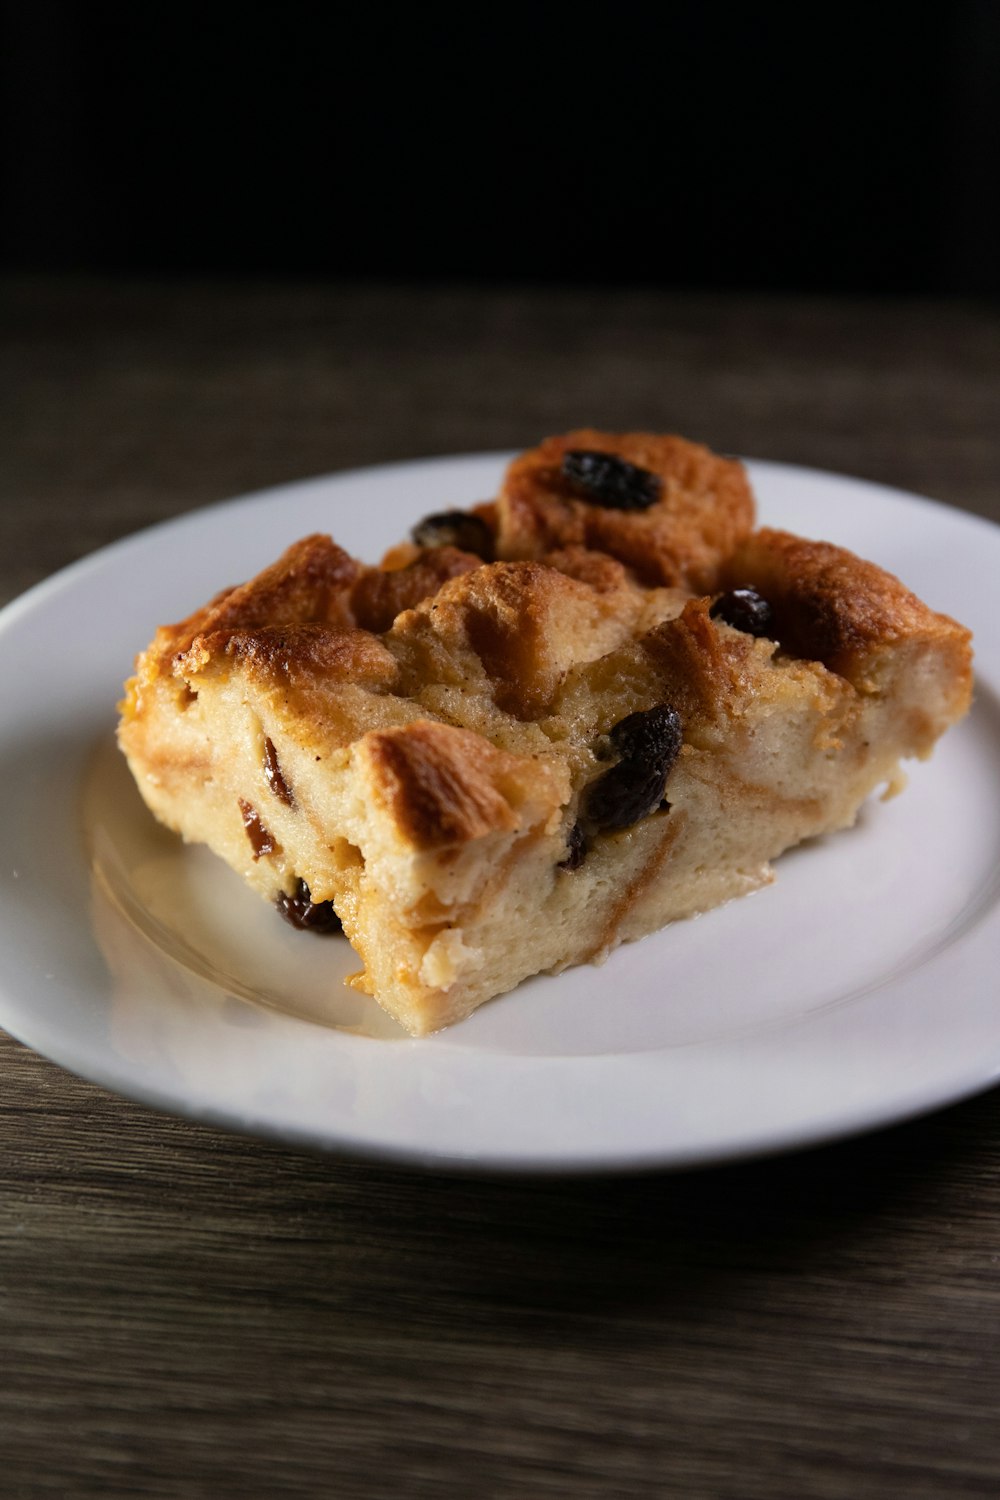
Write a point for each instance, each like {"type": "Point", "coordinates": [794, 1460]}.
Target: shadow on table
{"type": "Point", "coordinates": [291, 1231]}
{"type": "Point", "coordinates": [268, 1315]}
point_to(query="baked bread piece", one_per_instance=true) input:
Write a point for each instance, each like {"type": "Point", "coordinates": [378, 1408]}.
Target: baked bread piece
{"type": "Point", "coordinates": [493, 769]}
{"type": "Point", "coordinates": [671, 510]}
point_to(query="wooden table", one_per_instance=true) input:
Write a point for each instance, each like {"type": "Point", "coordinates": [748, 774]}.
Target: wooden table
{"type": "Point", "coordinates": [187, 1313]}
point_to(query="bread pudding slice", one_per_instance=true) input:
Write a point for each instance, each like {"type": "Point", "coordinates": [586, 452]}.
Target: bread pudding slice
{"type": "Point", "coordinates": [491, 769]}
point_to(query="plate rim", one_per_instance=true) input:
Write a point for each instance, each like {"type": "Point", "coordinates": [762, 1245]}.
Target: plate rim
{"type": "Point", "coordinates": [52, 588]}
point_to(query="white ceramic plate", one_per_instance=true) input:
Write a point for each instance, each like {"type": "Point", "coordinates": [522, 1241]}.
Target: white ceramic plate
{"type": "Point", "coordinates": [859, 989]}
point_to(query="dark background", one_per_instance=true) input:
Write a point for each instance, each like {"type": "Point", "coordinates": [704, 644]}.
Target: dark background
{"type": "Point", "coordinates": [826, 150]}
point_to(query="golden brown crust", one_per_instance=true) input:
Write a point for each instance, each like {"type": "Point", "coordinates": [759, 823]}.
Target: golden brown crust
{"type": "Point", "coordinates": [700, 668]}
{"type": "Point", "coordinates": [310, 581]}
{"type": "Point", "coordinates": [524, 623]}
{"type": "Point", "coordinates": [604, 574]}
{"type": "Point", "coordinates": [830, 606]}
{"type": "Point", "coordinates": [294, 654]}
{"type": "Point", "coordinates": [705, 508]}
{"type": "Point", "coordinates": [438, 783]}
{"type": "Point", "coordinates": [380, 594]}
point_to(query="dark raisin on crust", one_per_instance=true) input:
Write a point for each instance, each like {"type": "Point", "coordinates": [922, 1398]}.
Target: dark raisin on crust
{"type": "Point", "coordinates": [306, 914]}
{"type": "Point", "coordinates": [261, 841]}
{"type": "Point", "coordinates": [455, 528]}
{"type": "Point", "coordinates": [745, 610]}
{"type": "Point", "coordinates": [576, 849]}
{"type": "Point", "coordinates": [648, 743]}
{"type": "Point", "coordinates": [273, 776]}
{"type": "Point", "coordinates": [604, 479]}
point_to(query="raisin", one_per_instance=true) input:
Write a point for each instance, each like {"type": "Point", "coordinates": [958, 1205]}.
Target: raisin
{"type": "Point", "coordinates": [455, 528]}
{"type": "Point", "coordinates": [604, 479]}
{"type": "Point", "coordinates": [648, 734]}
{"type": "Point", "coordinates": [744, 610]}
{"type": "Point", "coordinates": [576, 849]}
{"type": "Point", "coordinates": [272, 775]}
{"type": "Point", "coordinates": [261, 840]}
{"type": "Point", "coordinates": [648, 743]}
{"type": "Point", "coordinates": [306, 914]}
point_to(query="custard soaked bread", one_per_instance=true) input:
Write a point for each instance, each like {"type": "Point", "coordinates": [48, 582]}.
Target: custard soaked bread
{"type": "Point", "coordinates": [485, 769]}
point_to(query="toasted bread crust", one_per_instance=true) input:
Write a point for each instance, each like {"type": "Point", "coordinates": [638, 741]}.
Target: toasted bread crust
{"type": "Point", "coordinates": [293, 653]}
{"type": "Point", "coordinates": [309, 582]}
{"type": "Point", "coordinates": [438, 784]}
{"type": "Point", "coordinates": [380, 594]}
{"type": "Point", "coordinates": [682, 540]}
{"type": "Point", "coordinates": [829, 605]}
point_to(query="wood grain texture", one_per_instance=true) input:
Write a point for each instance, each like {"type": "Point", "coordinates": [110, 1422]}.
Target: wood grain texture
{"type": "Point", "coordinates": [186, 1313]}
